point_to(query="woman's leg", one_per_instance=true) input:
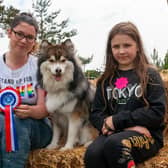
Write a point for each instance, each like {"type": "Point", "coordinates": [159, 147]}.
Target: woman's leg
{"type": "Point", "coordinates": [31, 134]}
{"type": "Point", "coordinates": [41, 134]}
{"type": "Point", "coordinates": [122, 149]}
{"type": "Point", "coordinates": [1, 129]}
{"type": "Point", "coordinates": [94, 155]}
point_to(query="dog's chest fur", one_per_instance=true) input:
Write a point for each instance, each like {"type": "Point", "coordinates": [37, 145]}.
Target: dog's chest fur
{"type": "Point", "coordinates": [63, 102]}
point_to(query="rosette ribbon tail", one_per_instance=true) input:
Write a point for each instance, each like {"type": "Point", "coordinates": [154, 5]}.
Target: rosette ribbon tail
{"type": "Point", "coordinates": [9, 100]}
{"type": "Point", "coordinates": [11, 137]}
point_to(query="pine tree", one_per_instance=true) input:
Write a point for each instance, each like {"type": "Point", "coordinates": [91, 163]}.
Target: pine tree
{"type": "Point", "coordinates": [165, 61]}
{"type": "Point", "coordinates": [50, 29]}
{"type": "Point", "coordinates": [92, 74]}
{"type": "Point", "coordinates": [155, 58]}
{"type": "Point", "coordinates": [6, 15]}
{"type": "Point", "coordinates": [85, 60]}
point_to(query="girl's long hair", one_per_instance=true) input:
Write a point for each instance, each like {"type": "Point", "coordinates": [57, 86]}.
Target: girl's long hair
{"type": "Point", "coordinates": [141, 62]}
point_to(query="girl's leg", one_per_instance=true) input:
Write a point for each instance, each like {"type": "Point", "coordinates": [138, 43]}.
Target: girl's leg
{"type": "Point", "coordinates": [123, 149]}
{"type": "Point", "coordinates": [31, 134]}
{"type": "Point", "coordinates": [94, 155]}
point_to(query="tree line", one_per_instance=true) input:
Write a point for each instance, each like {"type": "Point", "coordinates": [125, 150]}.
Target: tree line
{"type": "Point", "coordinates": [55, 32]}
{"type": "Point", "coordinates": [156, 60]}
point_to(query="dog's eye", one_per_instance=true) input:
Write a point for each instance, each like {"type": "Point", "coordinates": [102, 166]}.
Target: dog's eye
{"type": "Point", "coordinates": [63, 60]}
{"type": "Point", "coordinates": [51, 60]}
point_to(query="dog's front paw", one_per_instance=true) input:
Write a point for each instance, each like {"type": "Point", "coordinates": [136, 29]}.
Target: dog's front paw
{"type": "Point", "coordinates": [66, 147]}
{"type": "Point", "coordinates": [52, 146]}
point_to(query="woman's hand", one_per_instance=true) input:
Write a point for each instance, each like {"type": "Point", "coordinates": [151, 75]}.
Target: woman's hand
{"type": "Point", "coordinates": [141, 130]}
{"type": "Point", "coordinates": [23, 111]}
{"type": "Point", "coordinates": [37, 111]}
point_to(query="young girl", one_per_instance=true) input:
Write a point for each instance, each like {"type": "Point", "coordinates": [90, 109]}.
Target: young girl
{"type": "Point", "coordinates": [129, 104]}
{"type": "Point", "coordinates": [18, 70]}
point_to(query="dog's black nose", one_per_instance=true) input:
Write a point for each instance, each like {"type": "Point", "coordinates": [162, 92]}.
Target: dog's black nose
{"type": "Point", "coordinates": [58, 70]}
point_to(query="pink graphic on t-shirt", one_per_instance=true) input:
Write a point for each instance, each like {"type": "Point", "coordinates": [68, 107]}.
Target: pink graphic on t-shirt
{"type": "Point", "coordinates": [121, 82]}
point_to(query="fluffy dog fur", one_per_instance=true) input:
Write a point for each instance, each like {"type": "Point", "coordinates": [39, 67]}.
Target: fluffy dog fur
{"type": "Point", "coordinates": [68, 94]}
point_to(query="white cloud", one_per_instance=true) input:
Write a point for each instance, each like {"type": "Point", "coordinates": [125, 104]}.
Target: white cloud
{"type": "Point", "coordinates": [23, 5]}
{"type": "Point", "coordinates": [94, 18]}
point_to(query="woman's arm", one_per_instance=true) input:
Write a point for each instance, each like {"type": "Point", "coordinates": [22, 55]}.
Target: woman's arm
{"type": "Point", "coordinates": [37, 111]}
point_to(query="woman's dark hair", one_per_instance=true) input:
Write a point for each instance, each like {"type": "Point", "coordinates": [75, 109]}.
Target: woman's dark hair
{"type": "Point", "coordinates": [24, 17]}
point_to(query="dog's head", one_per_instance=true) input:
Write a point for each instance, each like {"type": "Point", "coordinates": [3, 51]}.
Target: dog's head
{"type": "Point", "coordinates": [57, 64]}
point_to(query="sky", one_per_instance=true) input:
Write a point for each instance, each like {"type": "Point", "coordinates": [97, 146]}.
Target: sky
{"type": "Point", "coordinates": [93, 20]}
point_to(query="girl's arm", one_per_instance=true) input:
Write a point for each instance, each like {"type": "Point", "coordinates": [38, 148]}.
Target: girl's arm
{"type": "Point", "coordinates": [97, 114]}
{"type": "Point", "coordinates": [37, 111]}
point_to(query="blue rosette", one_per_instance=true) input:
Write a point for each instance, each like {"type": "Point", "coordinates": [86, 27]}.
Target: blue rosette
{"type": "Point", "coordinates": [9, 100]}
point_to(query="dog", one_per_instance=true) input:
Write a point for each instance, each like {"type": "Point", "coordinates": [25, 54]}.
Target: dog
{"type": "Point", "coordinates": [69, 94]}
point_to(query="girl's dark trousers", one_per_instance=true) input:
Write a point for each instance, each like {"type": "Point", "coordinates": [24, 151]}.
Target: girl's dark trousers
{"type": "Point", "coordinates": [120, 150]}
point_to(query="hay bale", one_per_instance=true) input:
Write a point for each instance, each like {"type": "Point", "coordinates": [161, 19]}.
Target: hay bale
{"type": "Point", "coordinates": [164, 74]}
{"type": "Point", "coordinates": [45, 158]}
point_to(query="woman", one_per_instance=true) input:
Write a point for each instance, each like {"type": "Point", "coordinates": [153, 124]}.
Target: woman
{"type": "Point", "coordinates": [129, 104]}
{"type": "Point", "coordinates": [18, 70]}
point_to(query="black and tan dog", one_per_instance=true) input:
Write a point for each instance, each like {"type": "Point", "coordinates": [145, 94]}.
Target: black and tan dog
{"type": "Point", "coordinates": [68, 93]}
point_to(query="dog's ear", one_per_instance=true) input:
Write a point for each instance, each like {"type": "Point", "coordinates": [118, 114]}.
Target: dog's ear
{"type": "Point", "coordinates": [42, 56]}
{"type": "Point", "coordinates": [44, 45]}
{"type": "Point", "coordinates": [69, 46]}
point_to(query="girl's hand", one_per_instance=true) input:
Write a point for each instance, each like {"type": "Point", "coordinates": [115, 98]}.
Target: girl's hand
{"type": "Point", "coordinates": [108, 127]}
{"type": "Point", "coordinates": [104, 130]}
{"type": "Point", "coordinates": [109, 123]}
{"type": "Point", "coordinates": [23, 111]}
{"type": "Point", "coordinates": [141, 130]}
